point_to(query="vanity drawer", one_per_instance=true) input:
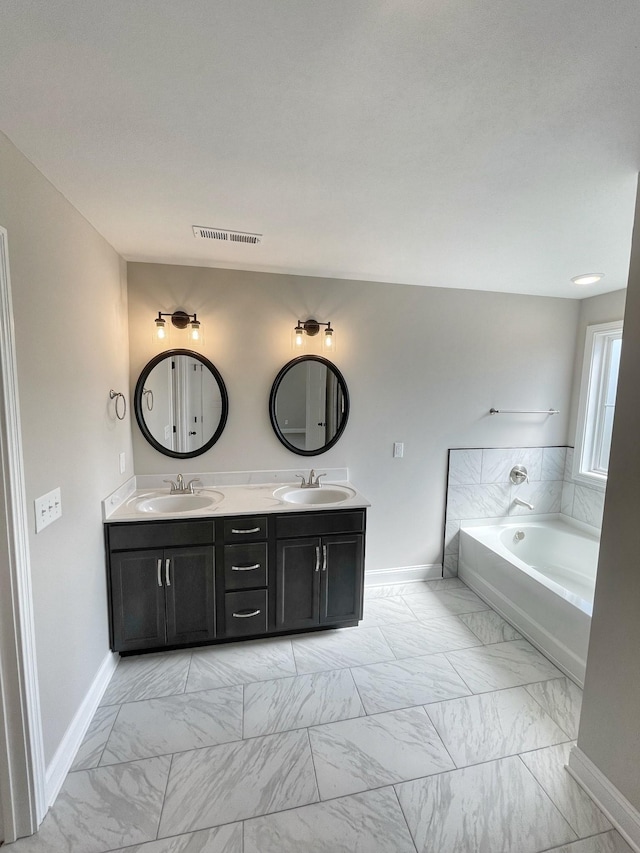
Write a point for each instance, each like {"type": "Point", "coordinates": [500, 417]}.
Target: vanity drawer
{"type": "Point", "coordinates": [319, 523]}
{"type": "Point", "coordinates": [245, 528]}
{"type": "Point", "coordinates": [245, 566]}
{"type": "Point", "coordinates": [245, 613]}
{"type": "Point", "coordinates": [152, 534]}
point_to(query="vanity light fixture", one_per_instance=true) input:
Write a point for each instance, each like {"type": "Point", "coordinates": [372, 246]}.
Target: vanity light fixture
{"type": "Point", "coordinates": [311, 328]}
{"type": "Point", "coordinates": [179, 319]}
{"type": "Point", "coordinates": [587, 278]}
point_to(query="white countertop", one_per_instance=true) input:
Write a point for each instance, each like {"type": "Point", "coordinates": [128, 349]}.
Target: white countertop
{"type": "Point", "coordinates": [241, 499]}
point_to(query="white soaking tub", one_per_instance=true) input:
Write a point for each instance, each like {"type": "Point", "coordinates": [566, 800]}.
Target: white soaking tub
{"type": "Point", "coordinates": [539, 573]}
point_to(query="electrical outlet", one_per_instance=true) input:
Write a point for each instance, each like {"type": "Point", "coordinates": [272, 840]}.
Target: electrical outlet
{"type": "Point", "coordinates": [48, 508]}
{"type": "Point", "coordinates": [123, 462]}
{"type": "Point", "coordinates": [398, 449]}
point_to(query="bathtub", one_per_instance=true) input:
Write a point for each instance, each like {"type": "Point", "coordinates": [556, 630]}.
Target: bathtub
{"type": "Point", "coordinates": [541, 582]}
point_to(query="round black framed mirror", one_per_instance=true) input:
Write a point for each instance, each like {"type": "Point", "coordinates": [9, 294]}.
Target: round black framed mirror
{"type": "Point", "coordinates": [181, 403]}
{"type": "Point", "coordinates": [309, 405]}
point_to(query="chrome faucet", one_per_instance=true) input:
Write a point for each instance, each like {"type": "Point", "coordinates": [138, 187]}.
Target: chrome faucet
{"type": "Point", "coordinates": [520, 502]}
{"type": "Point", "coordinates": [179, 487]}
{"type": "Point", "coordinates": [311, 483]}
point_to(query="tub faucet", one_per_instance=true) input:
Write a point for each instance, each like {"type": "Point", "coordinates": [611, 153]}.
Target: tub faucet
{"type": "Point", "coordinates": [520, 502]}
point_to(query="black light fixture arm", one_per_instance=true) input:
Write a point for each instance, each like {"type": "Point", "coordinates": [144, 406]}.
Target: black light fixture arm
{"type": "Point", "coordinates": [311, 327]}
{"type": "Point", "coordinates": [180, 319]}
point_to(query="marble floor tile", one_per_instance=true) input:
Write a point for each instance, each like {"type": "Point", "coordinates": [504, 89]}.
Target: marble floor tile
{"type": "Point", "coordinates": [386, 611]}
{"type": "Point", "coordinates": [234, 781]}
{"type": "Point", "coordinates": [445, 602]}
{"type": "Point", "coordinates": [580, 812]}
{"type": "Point", "coordinates": [369, 752]}
{"type": "Point", "coordinates": [91, 748]}
{"type": "Point", "coordinates": [220, 839]}
{"type": "Point", "coordinates": [608, 842]}
{"type": "Point", "coordinates": [493, 725]}
{"type": "Point", "coordinates": [240, 663]}
{"type": "Point", "coordinates": [103, 809]}
{"type": "Point", "coordinates": [496, 807]}
{"type": "Point", "coordinates": [502, 665]}
{"type": "Point", "coordinates": [340, 648]}
{"type": "Point", "coordinates": [364, 823]}
{"type": "Point", "coordinates": [175, 724]}
{"type": "Point", "coordinates": [148, 677]}
{"type": "Point", "coordinates": [562, 700]}
{"type": "Point", "coordinates": [489, 627]}
{"type": "Point", "coordinates": [411, 588]}
{"type": "Point", "coordinates": [424, 638]}
{"type": "Point", "coordinates": [407, 682]}
{"type": "Point", "coordinates": [300, 701]}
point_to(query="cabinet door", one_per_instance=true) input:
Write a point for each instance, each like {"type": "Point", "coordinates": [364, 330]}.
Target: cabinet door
{"type": "Point", "coordinates": [188, 582]}
{"type": "Point", "coordinates": [341, 578]}
{"type": "Point", "coordinates": [297, 583]}
{"type": "Point", "coordinates": [137, 600]}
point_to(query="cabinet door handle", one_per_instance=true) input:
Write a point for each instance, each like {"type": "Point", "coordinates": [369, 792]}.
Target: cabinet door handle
{"type": "Point", "coordinates": [245, 568]}
{"type": "Point", "coordinates": [159, 572]}
{"type": "Point", "coordinates": [246, 614]}
{"type": "Point", "coordinates": [317, 558]}
{"type": "Point", "coordinates": [167, 565]}
{"type": "Point", "coordinates": [252, 530]}
{"type": "Point", "coordinates": [324, 558]}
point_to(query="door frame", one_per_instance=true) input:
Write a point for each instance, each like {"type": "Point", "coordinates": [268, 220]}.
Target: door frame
{"type": "Point", "coordinates": [22, 766]}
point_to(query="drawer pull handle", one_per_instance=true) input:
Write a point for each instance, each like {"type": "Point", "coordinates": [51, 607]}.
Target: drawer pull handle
{"type": "Point", "coordinates": [246, 614]}
{"type": "Point", "coordinates": [324, 558]}
{"type": "Point", "coordinates": [245, 568]}
{"type": "Point", "coordinates": [252, 530]}
{"type": "Point", "coordinates": [167, 566]}
{"type": "Point", "coordinates": [317, 558]}
{"type": "Point", "coordinates": [159, 572]}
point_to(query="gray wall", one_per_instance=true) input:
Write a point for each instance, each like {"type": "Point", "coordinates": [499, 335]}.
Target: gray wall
{"type": "Point", "coordinates": [611, 707]}
{"type": "Point", "coordinates": [423, 366]}
{"type": "Point", "coordinates": [69, 294]}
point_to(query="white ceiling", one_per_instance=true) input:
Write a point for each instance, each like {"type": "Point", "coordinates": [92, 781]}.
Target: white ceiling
{"type": "Point", "coordinates": [486, 144]}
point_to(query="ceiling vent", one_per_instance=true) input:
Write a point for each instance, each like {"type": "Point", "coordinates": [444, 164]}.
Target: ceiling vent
{"type": "Point", "coordinates": [202, 233]}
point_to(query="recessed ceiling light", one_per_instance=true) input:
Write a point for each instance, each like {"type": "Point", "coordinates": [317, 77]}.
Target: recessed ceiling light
{"type": "Point", "coordinates": [587, 278]}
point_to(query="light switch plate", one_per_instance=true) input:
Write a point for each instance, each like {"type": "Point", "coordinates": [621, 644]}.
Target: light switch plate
{"type": "Point", "coordinates": [123, 462]}
{"type": "Point", "coordinates": [398, 449]}
{"type": "Point", "coordinates": [48, 508]}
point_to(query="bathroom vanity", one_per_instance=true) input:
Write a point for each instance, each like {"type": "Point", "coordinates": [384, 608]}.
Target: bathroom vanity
{"type": "Point", "coordinates": [212, 576]}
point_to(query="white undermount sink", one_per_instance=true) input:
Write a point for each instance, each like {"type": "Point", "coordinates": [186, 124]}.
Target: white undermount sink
{"type": "Point", "coordinates": [314, 497]}
{"type": "Point", "coordinates": [179, 503]}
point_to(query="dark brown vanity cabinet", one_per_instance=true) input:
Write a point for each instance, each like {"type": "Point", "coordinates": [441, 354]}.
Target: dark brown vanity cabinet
{"type": "Point", "coordinates": [273, 574]}
{"type": "Point", "coordinates": [161, 596]}
{"type": "Point", "coordinates": [320, 576]}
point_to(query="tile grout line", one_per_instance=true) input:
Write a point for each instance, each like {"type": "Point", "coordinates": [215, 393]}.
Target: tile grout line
{"type": "Point", "coordinates": [164, 798]}
{"type": "Point", "coordinates": [548, 796]}
{"type": "Point", "coordinates": [404, 817]}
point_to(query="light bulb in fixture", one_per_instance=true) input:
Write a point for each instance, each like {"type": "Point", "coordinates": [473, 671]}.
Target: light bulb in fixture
{"type": "Point", "coordinates": [587, 278]}
{"type": "Point", "coordinates": [161, 329]}
{"type": "Point", "coordinates": [195, 330]}
{"type": "Point", "coordinates": [299, 335]}
{"type": "Point", "coordinates": [328, 337]}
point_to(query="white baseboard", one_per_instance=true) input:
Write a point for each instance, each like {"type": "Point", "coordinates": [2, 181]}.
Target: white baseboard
{"type": "Point", "coordinates": [403, 574]}
{"type": "Point", "coordinates": [624, 816]}
{"type": "Point", "coordinates": [58, 768]}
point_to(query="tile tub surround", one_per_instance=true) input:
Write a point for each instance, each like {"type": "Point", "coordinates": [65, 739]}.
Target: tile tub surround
{"type": "Point", "coordinates": [383, 746]}
{"type": "Point", "coordinates": [478, 487]}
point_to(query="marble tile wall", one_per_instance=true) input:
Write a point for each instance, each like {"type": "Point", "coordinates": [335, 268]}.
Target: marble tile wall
{"type": "Point", "coordinates": [479, 487]}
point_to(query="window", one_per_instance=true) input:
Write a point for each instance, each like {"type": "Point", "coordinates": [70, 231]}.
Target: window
{"type": "Point", "coordinates": [597, 403]}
